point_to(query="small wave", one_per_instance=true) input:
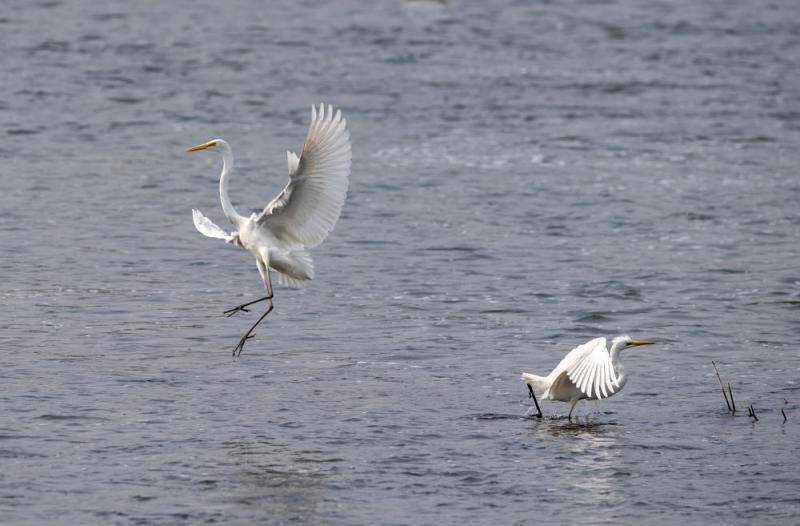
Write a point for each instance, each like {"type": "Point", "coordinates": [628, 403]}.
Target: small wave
{"type": "Point", "coordinates": [592, 317]}
{"type": "Point", "coordinates": [53, 417]}
{"type": "Point", "coordinates": [24, 131]}
{"type": "Point", "coordinates": [505, 311]}
{"type": "Point", "coordinates": [19, 453]}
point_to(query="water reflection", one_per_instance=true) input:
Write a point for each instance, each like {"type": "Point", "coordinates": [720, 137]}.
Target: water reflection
{"type": "Point", "coordinates": [276, 481]}
{"type": "Point", "coordinates": [588, 456]}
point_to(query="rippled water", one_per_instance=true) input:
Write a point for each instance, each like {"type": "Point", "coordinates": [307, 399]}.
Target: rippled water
{"type": "Point", "coordinates": [525, 177]}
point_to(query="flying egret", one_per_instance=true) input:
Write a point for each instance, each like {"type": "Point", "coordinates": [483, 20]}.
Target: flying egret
{"type": "Point", "coordinates": [589, 371]}
{"type": "Point", "coordinates": [299, 218]}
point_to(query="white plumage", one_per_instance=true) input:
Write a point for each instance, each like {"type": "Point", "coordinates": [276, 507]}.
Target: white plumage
{"type": "Point", "coordinates": [309, 206]}
{"type": "Point", "coordinates": [590, 371]}
{"type": "Point", "coordinates": [207, 227]}
{"type": "Point", "coordinates": [299, 217]}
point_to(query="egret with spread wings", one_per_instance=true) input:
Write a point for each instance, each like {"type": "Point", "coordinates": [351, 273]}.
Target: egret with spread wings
{"type": "Point", "coordinates": [299, 218]}
{"type": "Point", "coordinates": [590, 371]}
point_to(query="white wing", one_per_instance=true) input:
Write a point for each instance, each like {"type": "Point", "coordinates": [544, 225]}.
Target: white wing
{"type": "Point", "coordinates": [590, 369]}
{"type": "Point", "coordinates": [207, 227]}
{"type": "Point", "coordinates": [309, 206]}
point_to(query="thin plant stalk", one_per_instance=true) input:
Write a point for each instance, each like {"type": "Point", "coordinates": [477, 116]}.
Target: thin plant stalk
{"type": "Point", "coordinates": [722, 387]}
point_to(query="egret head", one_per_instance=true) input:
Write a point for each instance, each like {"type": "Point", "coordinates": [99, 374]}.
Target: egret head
{"type": "Point", "coordinates": [210, 145]}
{"type": "Point", "coordinates": [625, 341]}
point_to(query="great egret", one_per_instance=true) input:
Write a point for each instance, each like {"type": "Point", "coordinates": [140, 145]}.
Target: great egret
{"type": "Point", "coordinates": [299, 218]}
{"type": "Point", "coordinates": [589, 371]}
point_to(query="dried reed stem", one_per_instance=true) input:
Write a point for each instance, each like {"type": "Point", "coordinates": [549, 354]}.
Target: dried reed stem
{"type": "Point", "coordinates": [721, 386]}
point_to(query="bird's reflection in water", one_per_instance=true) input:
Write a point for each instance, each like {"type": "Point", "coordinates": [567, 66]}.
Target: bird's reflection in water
{"type": "Point", "coordinates": [591, 449]}
{"type": "Point", "coordinates": [274, 481]}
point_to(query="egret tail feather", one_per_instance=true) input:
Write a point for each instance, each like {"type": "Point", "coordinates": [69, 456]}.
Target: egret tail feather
{"type": "Point", "coordinates": [286, 280]}
{"type": "Point", "coordinates": [303, 271]}
{"type": "Point", "coordinates": [539, 384]}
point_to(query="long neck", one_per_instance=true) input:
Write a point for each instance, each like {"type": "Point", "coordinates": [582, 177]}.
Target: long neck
{"type": "Point", "coordinates": [227, 167]}
{"type": "Point", "coordinates": [616, 347]}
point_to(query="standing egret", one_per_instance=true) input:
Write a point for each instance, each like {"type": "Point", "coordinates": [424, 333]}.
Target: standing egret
{"type": "Point", "coordinates": [589, 371]}
{"type": "Point", "coordinates": [299, 218]}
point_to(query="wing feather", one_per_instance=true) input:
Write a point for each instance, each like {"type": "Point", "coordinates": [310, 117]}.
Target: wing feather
{"type": "Point", "coordinates": [310, 204]}
{"type": "Point", "coordinates": [592, 370]}
{"type": "Point", "coordinates": [611, 378]}
{"type": "Point", "coordinates": [581, 373]}
{"type": "Point", "coordinates": [208, 228]}
{"type": "Point", "coordinates": [605, 382]}
{"type": "Point", "coordinates": [602, 391]}
{"type": "Point", "coordinates": [598, 379]}
{"type": "Point", "coordinates": [576, 355]}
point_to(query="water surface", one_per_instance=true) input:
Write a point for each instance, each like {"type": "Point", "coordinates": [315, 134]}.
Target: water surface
{"type": "Point", "coordinates": [526, 176]}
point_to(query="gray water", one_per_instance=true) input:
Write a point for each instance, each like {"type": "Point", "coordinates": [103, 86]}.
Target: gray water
{"type": "Point", "coordinates": [526, 176]}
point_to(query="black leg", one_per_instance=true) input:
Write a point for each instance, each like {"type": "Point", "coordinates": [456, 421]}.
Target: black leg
{"type": "Point", "coordinates": [572, 408]}
{"type": "Point", "coordinates": [242, 307]}
{"type": "Point", "coordinates": [237, 351]}
{"type": "Point", "coordinates": [263, 269]}
{"type": "Point", "coordinates": [535, 401]}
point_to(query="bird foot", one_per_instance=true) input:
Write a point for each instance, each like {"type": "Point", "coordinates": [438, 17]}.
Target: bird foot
{"type": "Point", "coordinates": [243, 306]}
{"type": "Point", "coordinates": [237, 351]}
{"type": "Point", "coordinates": [231, 312]}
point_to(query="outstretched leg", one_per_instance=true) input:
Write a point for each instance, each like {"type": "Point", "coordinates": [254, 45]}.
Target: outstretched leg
{"type": "Point", "coordinates": [263, 269]}
{"type": "Point", "coordinates": [242, 307]}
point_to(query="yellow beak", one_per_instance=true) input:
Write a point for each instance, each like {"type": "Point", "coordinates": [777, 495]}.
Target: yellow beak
{"type": "Point", "coordinates": [641, 342]}
{"type": "Point", "coordinates": [203, 146]}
